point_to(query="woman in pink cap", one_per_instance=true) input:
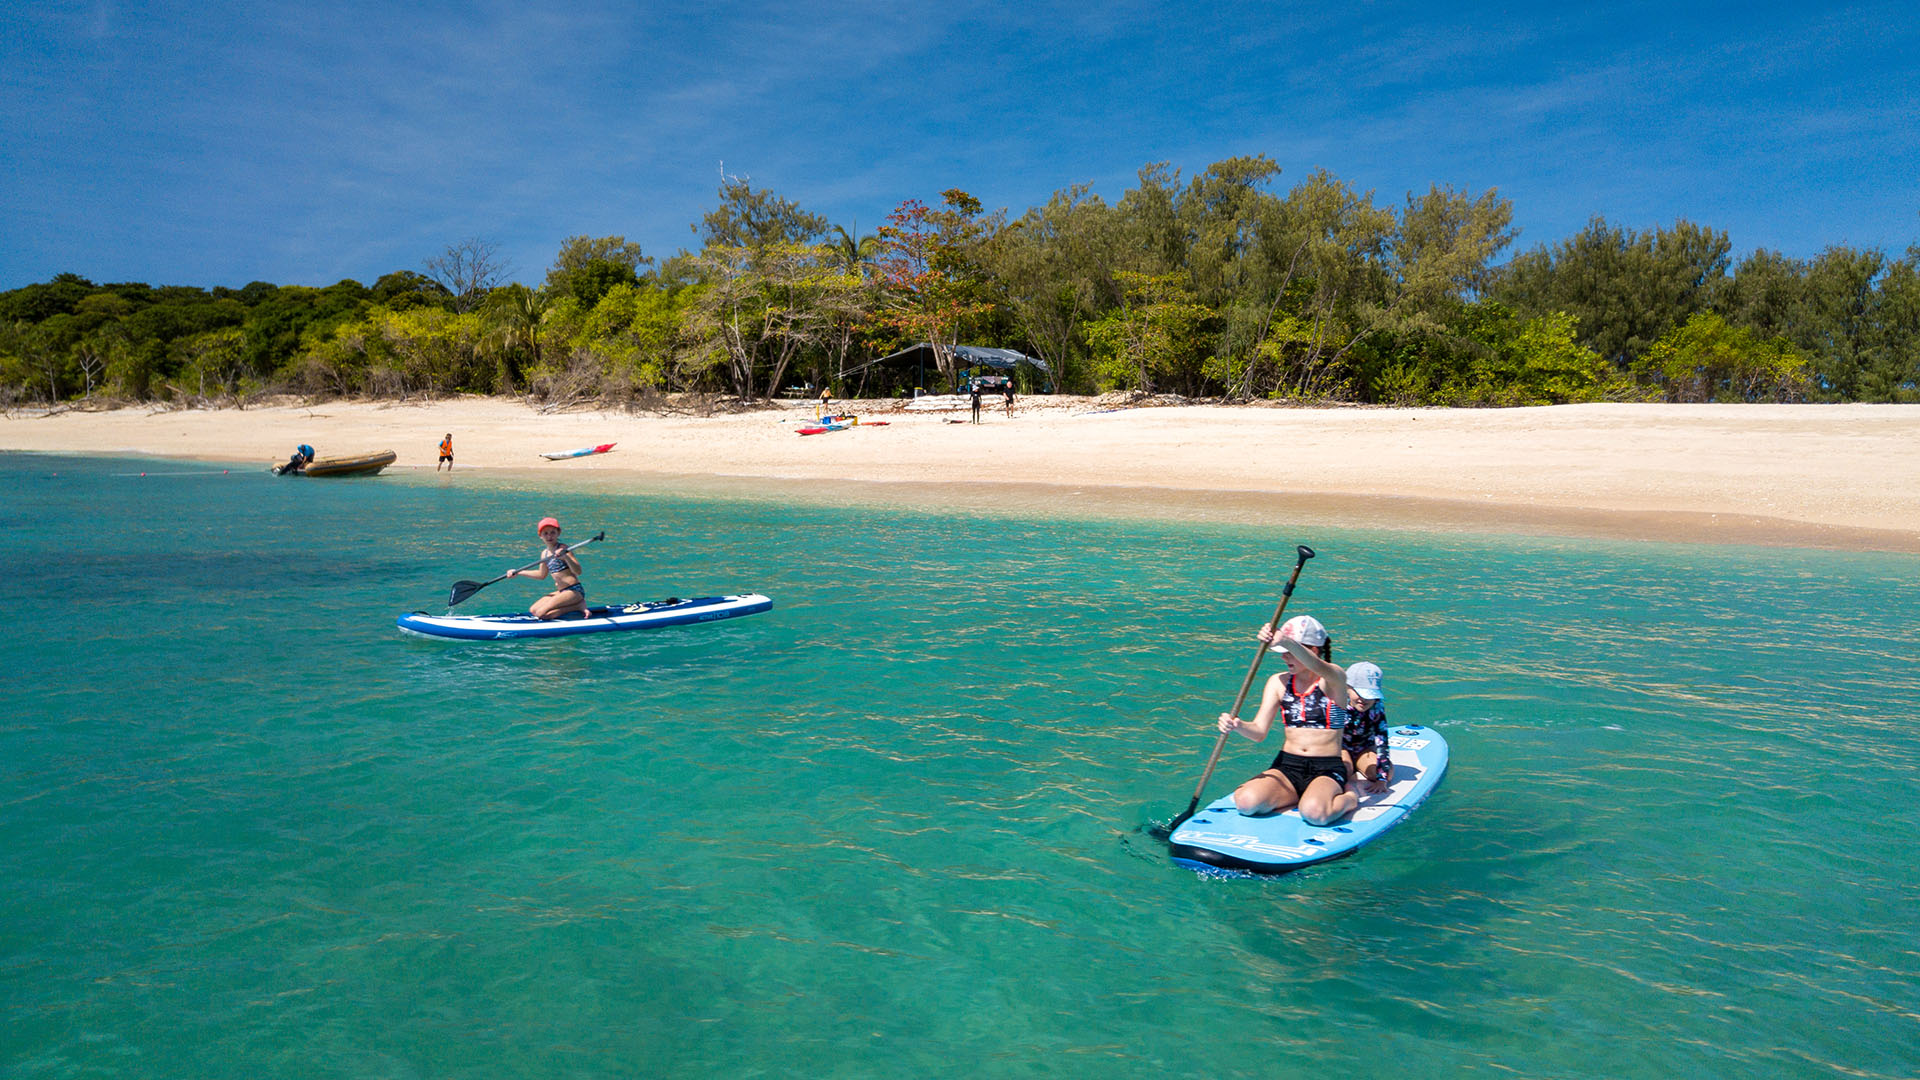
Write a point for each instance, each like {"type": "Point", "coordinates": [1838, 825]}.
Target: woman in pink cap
{"type": "Point", "coordinates": [557, 562]}
{"type": "Point", "coordinates": [1310, 700]}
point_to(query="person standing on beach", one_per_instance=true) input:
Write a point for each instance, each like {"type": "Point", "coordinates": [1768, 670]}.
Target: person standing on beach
{"type": "Point", "coordinates": [1309, 700]}
{"type": "Point", "coordinates": [976, 402]}
{"type": "Point", "coordinates": [826, 402]}
{"type": "Point", "coordinates": [558, 562]}
{"type": "Point", "coordinates": [1009, 399]}
{"type": "Point", "coordinates": [446, 453]}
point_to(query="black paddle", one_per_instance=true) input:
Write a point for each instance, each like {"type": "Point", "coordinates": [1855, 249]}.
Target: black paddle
{"type": "Point", "coordinates": [1253, 669]}
{"type": "Point", "coordinates": [464, 590]}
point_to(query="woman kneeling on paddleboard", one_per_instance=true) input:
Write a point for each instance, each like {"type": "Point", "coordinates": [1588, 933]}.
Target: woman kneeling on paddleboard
{"type": "Point", "coordinates": [1310, 700]}
{"type": "Point", "coordinates": [559, 563]}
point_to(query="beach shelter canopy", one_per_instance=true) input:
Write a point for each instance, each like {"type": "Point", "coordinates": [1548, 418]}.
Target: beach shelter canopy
{"type": "Point", "coordinates": [966, 356]}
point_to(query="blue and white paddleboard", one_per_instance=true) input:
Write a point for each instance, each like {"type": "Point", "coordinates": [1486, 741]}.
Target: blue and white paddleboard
{"type": "Point", "coordinates": [600, 619]}
{"type": "Point", "coordinates": [1220, 838]}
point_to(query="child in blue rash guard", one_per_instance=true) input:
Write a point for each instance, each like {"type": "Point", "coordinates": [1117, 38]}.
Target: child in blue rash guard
{"type": "Point", "coordinates": [1364, 738]}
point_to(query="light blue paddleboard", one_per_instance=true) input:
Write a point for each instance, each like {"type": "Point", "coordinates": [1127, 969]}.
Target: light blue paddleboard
{"type": "Point", "coordinates": [1220, 838]}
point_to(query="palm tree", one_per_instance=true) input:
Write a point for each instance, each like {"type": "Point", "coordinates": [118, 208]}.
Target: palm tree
{"type": "Point", "coordinates": [854, 250]}
{"type": "Point", "coordinates": [514, 315]}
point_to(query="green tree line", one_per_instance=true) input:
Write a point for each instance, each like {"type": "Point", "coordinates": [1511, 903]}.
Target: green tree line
{"type": "Point", "coordinates": [1222, 285]}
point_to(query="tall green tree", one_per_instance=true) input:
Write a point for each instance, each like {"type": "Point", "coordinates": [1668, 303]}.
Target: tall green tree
{"type": "Point", "coordinates": [636, 334]}
{"type": "Point", "coordinates": [1892, 370]}
{"type": "Point", "coordinates": [752, 219]}
{"type": "Point", "coordinates": [1325, 310]}
{"type": "Point", "coordinates": [1626, 288]}
{"type": "Point", "coordinates": [1706, 359]}
{"type": "Point", "coordinates": [1835, 323]}
{"type": "Point", "coordinates": [1156, 339]}
{"type": "Point", "coordinates": [759, 309]}
{"type": "Point", "coordinates": [1764, 293]}
{"type": "Point", "coordinates": [1052, 270]}
{"type": "Point", "coordinates": [586, 267]}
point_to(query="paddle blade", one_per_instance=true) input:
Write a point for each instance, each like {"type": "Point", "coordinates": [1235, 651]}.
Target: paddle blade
{"type": "Point", "coordinates": [463, 591]}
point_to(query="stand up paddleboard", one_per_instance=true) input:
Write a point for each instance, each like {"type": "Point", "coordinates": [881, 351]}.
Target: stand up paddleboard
{"type": "Point", "coordinates": [651, 616]}
{"type": "Point", "coordinates": [1220, 839]}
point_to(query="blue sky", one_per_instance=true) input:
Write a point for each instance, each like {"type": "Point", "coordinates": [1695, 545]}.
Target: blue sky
{"type": "Point", "coordinates": [217, 144]}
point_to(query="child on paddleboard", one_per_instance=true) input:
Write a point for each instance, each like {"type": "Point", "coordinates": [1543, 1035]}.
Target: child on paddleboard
{"type": "Point", "coordinates": [559, 563]}
{"type": "Point", "coordinates": [1364, 740]}
{"type": "Point", "coordinates": [1309, 699]}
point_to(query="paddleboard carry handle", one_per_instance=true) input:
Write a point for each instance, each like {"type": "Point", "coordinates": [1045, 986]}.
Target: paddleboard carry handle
{"type": "Point", "coordinates": [1302, 553]}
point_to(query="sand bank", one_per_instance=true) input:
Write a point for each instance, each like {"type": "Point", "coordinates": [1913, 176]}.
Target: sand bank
{"type": "Point", "coordinates": [1838, 476]}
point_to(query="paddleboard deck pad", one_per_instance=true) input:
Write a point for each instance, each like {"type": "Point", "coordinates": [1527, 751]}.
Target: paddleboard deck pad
{"type": "Point", "coordinates": [650, 616]}
{"type": "Point", "coordinates": [1220, 839]}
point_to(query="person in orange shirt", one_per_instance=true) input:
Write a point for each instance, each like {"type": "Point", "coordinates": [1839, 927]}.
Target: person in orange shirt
{"type": "Point", "coordinates": [446, 453]}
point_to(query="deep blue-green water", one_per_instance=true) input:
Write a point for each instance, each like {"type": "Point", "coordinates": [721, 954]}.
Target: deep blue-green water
{"type": "Point", "coordinates": [900, 825]}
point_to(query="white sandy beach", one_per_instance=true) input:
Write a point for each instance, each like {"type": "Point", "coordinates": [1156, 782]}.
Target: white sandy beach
{"type": "Point", "coordinates": [1840, 476]}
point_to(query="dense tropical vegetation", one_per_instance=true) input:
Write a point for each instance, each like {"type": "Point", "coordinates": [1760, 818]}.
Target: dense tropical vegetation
{"type": "Point", "coordinates": [1218, 286]}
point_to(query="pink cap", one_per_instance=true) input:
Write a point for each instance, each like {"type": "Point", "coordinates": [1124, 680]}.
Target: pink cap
{"type": "Point", "coordinates": [555, 522]}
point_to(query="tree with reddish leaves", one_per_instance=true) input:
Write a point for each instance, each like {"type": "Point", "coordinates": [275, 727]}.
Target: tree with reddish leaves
{"type": "Point", "coordinates": [931, 280]}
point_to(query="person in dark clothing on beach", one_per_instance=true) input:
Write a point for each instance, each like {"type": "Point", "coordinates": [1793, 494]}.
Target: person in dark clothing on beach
{"type": "Point", "coordinates": [1009, 389]}
{"type": "Point", "coordinates": [976, 402]}
{"type": "Point", "coordinates": [302, 457]}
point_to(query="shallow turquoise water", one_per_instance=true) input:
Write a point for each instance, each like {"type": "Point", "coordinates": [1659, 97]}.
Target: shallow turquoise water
{"type": "Point", "coordinates": [897, 826]}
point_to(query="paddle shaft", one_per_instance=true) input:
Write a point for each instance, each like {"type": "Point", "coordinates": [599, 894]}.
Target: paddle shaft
{"type": "Point", "coordinates": [458, 596]}
{"type": "Point", "coordinates": [1304, 552]}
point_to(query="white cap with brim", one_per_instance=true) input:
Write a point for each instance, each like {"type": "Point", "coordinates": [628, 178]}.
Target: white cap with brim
{"type": "Point", "coordinates": [1364, 679]}
{"type": "Point", "coordinates": [1304, 629]}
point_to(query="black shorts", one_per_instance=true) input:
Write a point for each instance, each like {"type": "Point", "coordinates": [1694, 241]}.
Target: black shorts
{"type": "Point", "coordinates": [446, 457]}
{"type": "Point", "coordinates": [1301, 771]}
